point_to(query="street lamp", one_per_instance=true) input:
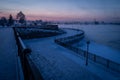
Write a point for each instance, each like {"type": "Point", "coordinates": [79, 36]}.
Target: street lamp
{"type": "Point", "coordinates": [88, 42]}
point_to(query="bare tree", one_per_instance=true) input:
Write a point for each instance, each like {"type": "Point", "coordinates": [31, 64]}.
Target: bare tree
{"type": "Point", "coordinates": [3, 21]}
{"type": "Point", "coordinates": [21, 17]}
{"type": "Point", "coordinates": [10, 20]}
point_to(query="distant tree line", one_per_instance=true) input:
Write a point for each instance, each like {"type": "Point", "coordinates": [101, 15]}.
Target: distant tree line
{"type": "Point", "coordinates": [6, 22]}
{"type": "Point", "coordinates": [86, 23]}
{"type": "Point", "coordinates": [20, 18]}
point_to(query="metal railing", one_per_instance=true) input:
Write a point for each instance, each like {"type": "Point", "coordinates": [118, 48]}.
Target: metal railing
{"type": "Point", "coordinates": [66, 42]}
{"type": "Point", "coordinates": [29, 69]}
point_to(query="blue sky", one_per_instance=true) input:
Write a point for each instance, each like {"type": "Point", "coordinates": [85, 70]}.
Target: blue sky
{"type": "Point", "coordinates": [63, 9]}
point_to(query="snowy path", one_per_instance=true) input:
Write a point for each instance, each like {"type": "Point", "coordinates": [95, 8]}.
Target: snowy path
{"type": "Point", "coordinates": [58, 63]}
{"type": "Point", "coordinates": [8, 55]}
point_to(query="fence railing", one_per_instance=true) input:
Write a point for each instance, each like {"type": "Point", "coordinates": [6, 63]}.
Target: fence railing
{"type": "Point", "coordinates": [29, 69]}
{"type": "Point", "coordinates": [66, 42]}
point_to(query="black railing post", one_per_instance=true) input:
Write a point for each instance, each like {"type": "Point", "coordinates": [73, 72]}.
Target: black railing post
{"type": "Point", "coordinates": [94, 58]}
{"type": "Point", "coordinates": [88, 42]}
{"type": "Point", "coordinates": [107, 63]}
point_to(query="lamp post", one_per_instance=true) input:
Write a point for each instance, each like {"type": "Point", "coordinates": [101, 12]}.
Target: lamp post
{"type": "Point", "coordinates": [88, 42]}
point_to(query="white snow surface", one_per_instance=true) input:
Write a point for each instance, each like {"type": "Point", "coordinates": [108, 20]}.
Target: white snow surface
{"type": "Point", "coordinates": [58, 63]}
{"type": "Point", "coordinates": [100, 50]}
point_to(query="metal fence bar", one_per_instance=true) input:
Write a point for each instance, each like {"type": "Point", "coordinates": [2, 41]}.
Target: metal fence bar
{"type": "Point", "coordinates": [67, 41]}
{"type": "Point", "coordinates": [29, 69]}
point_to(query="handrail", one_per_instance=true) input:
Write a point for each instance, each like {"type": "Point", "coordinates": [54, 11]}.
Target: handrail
{"type": "Point", "coordinates": [29, 69]}
{"type": "Point", "coordinates": [65, 43]}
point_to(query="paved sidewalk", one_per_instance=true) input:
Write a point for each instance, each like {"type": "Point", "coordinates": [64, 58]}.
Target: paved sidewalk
{"type": "Point", "coordinates": [8, 55]}
{"type": "Point", "coordinates": [52, 62]}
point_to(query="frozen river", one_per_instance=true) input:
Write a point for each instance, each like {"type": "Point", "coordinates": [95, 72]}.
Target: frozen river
{"type": "Point", "coordinates": [104, 34]}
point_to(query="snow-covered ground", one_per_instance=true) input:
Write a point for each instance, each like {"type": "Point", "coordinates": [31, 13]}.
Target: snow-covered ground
{"type": "Point", "coordinates": [58, 63]}
{"type": "Point", "coordinates": [100, 50]}
{"type": "Point", "coordinates": [8, 55]}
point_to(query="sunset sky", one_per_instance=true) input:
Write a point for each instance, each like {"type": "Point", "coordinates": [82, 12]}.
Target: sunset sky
{"type": "Point", "coordinates": [65, 10]}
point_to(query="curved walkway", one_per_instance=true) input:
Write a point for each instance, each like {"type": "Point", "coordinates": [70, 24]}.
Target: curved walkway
{"type": "Point", "coordinates": [56, 63]}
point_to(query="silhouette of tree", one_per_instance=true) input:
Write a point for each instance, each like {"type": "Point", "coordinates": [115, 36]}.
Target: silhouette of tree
{"type": "Point", "coordinates": [96, 22]}
{"type": "Point", "coordinates": [10, 20]}
{"type": "Point", "coordinates": [21, 17]}
{"type": "Point", "coordinates": [3, 21]}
